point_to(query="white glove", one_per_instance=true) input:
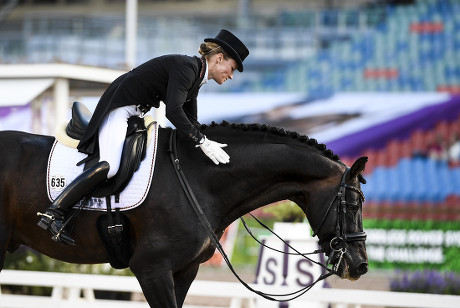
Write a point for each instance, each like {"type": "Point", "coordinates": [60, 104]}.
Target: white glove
{"type": "Point", "coordinates": [214, 151]}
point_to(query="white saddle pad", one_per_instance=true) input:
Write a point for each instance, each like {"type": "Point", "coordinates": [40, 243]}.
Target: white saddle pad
{"type": "Point", "coordinates": [62, 170]}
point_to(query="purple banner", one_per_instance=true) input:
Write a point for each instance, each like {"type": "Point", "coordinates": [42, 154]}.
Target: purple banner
{"type": "Point", "coordinates": [5, 111]}
{"type": "Point", "coordinates": [378, 136]}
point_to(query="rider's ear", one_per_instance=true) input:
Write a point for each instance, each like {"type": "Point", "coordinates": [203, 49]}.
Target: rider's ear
{"type": "Point", "coordinates": [358, 168]}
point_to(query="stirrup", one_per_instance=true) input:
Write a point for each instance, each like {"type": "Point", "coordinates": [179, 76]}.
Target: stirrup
{"type": "Point", "coordinates": [45, 221]}
{"type": "Point", "coordinates": [59, 234]}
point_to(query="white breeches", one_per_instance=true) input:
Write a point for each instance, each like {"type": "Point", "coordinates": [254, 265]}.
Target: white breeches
{"type": "Point", "coordinates": [112, 133]}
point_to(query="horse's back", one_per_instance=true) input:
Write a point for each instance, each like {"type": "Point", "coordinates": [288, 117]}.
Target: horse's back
{"type": "Point", "coordinates": [20, 150]}
{"type": "Point", "coordinates": [12, 141]}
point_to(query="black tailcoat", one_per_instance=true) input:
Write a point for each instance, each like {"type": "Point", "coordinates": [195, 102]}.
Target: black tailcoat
{"type": "Point", "coordinates": [173, 79]}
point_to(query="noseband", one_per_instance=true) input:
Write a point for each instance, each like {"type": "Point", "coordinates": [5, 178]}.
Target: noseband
{"type": "Point", "coordinates": [338, 244]}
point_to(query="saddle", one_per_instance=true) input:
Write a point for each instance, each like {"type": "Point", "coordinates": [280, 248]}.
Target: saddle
{"type": "Point", "coordinates": [113, 230]}
{"type": "Point", "coordinates": [134, 149]}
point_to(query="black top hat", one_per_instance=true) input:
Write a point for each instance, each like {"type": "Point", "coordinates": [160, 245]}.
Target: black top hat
{"type": "Point", "coordinates": [232, 45]}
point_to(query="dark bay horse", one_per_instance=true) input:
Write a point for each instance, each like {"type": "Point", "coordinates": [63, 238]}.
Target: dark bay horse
{"type": "Point", "coordinates": [168, 241]}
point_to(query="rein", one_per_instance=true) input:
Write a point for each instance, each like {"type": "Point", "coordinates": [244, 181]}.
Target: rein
{"type": "Point", "coordinates": [214, 239]}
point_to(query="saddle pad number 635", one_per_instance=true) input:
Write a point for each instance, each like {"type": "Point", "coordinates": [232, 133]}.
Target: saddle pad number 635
{"type": "Point", "coordinates": [62, 170]}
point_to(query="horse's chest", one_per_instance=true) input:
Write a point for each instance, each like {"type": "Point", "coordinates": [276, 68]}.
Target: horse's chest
{"type": "Point", "coordinates": [207, 252]}
{"type": "Point", "coordinates": [208, 248]}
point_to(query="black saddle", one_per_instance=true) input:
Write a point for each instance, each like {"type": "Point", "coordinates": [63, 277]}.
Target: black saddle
{"type": "Point", "coordinates": [134, 149]}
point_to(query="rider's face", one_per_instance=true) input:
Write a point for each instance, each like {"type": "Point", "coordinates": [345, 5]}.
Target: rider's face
{"type": "Point", "coordinates": [221, 69]}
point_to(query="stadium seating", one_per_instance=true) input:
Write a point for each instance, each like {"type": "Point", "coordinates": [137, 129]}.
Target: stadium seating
{"type": "Point", "coordinates": [384, 48]}
{"type": "Point", "coordinates": [405, 175]}
{"type": "Point", "coordinates": [416, 48]}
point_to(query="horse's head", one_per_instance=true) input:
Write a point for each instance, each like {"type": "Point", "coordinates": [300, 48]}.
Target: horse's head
{"type": "Point", "coordinates": [340, 230]}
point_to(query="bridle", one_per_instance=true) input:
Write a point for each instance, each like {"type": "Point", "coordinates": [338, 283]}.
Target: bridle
{"type": "Point", "coordinates": [338, 244]}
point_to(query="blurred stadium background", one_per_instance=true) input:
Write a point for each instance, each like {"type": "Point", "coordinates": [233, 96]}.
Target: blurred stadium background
{"type": "Point", "coordinates": [368, 78]}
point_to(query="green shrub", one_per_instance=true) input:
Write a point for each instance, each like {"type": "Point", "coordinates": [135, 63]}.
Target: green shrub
{"type": "Point", "coordinates": [286, 211]}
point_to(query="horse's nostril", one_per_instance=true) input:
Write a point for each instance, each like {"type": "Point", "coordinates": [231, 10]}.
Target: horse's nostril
{"type": "Point", "coordinates": [362, 268]}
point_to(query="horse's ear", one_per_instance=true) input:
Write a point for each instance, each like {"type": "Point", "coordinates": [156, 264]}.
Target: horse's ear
{"type": "Point", "coordinates": [358, 168]}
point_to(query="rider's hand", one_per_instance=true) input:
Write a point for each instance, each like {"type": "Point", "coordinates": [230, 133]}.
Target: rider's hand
{"type": "Point", "coordinates": [214, 151]}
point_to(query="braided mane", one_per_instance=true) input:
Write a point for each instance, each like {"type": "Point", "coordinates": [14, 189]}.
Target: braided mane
{"type": "Point", "coordinates": [280, 132]}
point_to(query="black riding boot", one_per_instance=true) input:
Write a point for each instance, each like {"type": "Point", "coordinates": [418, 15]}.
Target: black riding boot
{"type": "Point", "coordinates": [53, 218]}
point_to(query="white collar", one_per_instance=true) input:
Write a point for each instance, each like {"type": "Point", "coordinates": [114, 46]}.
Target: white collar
{"type": "Point", "coordinates": [205, 78]}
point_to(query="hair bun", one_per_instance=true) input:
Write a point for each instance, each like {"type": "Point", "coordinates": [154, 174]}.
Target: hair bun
{"type": "Point", "coordinates": [203, 49]}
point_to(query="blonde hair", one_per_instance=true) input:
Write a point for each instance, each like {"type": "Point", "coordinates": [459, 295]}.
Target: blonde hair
{"type": "Point", "coordinates": [209, 49]}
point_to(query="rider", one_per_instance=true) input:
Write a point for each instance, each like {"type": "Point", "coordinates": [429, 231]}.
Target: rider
{"type": "Point", "coordinates": [173, 79]}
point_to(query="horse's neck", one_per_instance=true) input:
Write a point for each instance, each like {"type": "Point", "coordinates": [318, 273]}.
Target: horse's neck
{"type": "Point", "coordinates": [265, 173]}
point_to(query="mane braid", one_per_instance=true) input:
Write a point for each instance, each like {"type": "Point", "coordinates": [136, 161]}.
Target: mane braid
{"type": "Point", "coordinates": [280, 132]}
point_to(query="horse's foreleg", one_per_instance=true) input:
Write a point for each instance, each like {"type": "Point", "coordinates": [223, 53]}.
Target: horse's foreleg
{"type": "Point", "coordinates": [182, 282]}
{"type": "Point", "coordinates": [4, 239]}
{"type": "Point", "coordinates": [157, 285]}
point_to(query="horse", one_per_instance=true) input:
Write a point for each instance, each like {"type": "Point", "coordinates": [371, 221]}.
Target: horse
{"type": "Point", "coordinates": [168, 242]}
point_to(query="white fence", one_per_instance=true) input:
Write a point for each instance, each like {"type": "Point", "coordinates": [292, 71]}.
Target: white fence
{"type": "Point", "coordinates": [77, 290]}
